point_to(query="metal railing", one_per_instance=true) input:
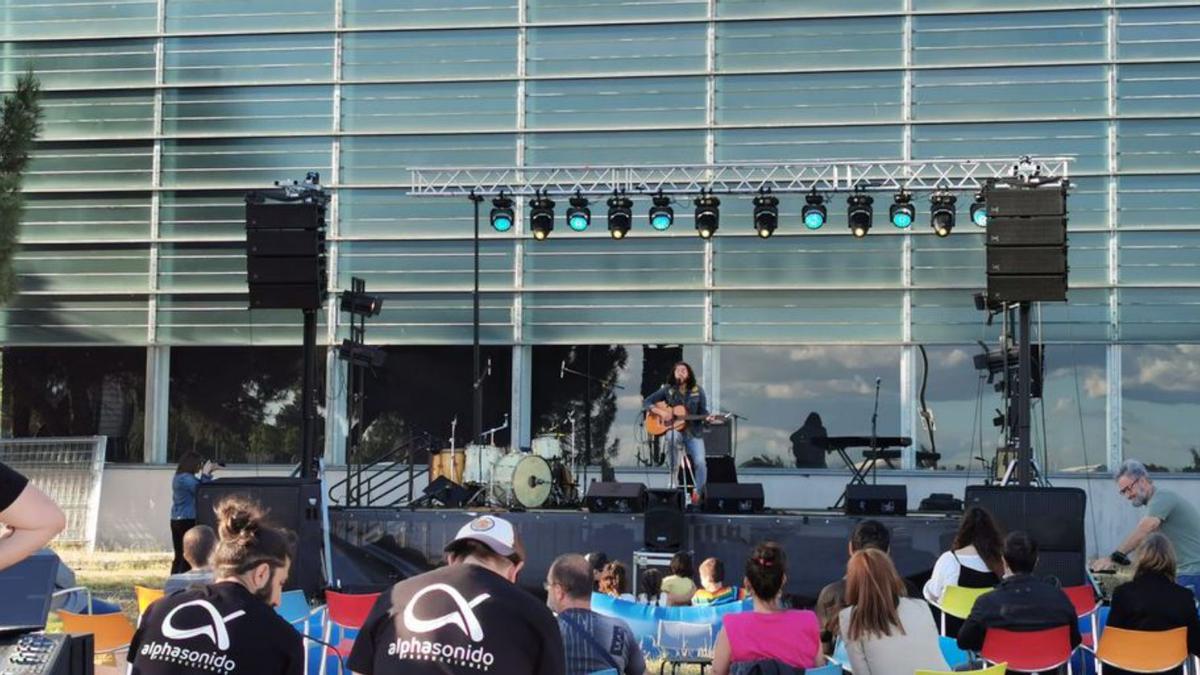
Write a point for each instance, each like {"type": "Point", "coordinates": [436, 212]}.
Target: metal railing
{"type": "Point", "coordinates": [388, 480]}
{"type": "Point", "coordinates": [70, 471]}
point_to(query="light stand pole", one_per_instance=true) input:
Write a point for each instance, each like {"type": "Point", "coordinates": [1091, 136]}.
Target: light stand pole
{"type": "Point", "coordinates": [1024, 391]}
{"type": "Point", "coordinates": [476, 374]}
{"type": "Point", "coordinates": [308, 399]}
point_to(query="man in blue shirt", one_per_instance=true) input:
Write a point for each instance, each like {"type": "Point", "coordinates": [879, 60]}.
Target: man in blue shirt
{"type": "Point", "coordinates": [592, 642]}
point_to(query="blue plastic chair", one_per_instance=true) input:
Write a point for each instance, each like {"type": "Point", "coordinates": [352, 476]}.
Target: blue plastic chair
{"type": "Point", "coordinates": [827, 669]}
{"type": "Point", "coordinates": [954, 656]}
{"type": "Point", "coordinates": [294, 609]}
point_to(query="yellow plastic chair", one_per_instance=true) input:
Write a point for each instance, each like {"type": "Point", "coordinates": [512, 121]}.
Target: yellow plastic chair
{"type": "Point", "coordinates": [145, 596]}
{"type": "Point", "coordinates": [112, 632]}
{"type": "Point", "coordinates": [998, 669]}
{"type": "Point", "coordinates": [957, 601]}
{"type": "Point", "coordinates": [1142, 651]}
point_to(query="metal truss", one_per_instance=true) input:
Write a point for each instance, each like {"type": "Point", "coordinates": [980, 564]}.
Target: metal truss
{"type": "Point", "coordinates": [747, 178]}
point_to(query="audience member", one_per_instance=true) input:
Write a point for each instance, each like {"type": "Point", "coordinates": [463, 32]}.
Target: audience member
{"type": "Point", "coordinates": [1022, 602]}
{"type": "Point", "coordinates": [597, 559]}
{"type": "Point", "coordinates": [769, 633]}
{"type": "Point", "coordinates": [884, 631]}
{"type": "Point", "coordinates": [465, 618]}
{"type": "Point", "coordinates": [198, 545]}
{"type": "Point", "coordinates": [183, 501]}
{"type": "Point", "coordinates": [678, 585]}
{"type": "Point", "coordinates": [592, 642]}
{"type": "Point", "coordinates": [650, 587]}
{"type": "Point", "coordinates": [1166, 512]}
{"type": "Point", "coordinates": [29, 518]}
{"type": "Point", "coordinates": [867, 534]}
{"type": "Point", "coordinates": [1152, 600]}
{"type": "Point", "coordinates": [614, 581]}
{"type": "Point", "coordinates": [228, 626]}
{"type": "Point", "coordinates": [975, 558]}
{"type": "Point", "coordinates": [713, 590]}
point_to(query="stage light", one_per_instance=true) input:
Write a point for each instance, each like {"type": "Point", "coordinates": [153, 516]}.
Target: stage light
{"type": "Point", "coordinates": [979, 214]}
{"type": "Point", "coordinates": [941, 213]}
{"type": "Point", "coordinates": [362, 355]}
{"type": "Point", "coordinates": [579, 216]}
{"type": "Point", "coordinates": [708, 215]}
{"type": "Point", "coordinates": [766, 215]}
{"type": "Point", "coordinates": [361, 304]}
{"type": "Point", "coordinates": [814, 213]}
{"type": "Point", "coordinates": [541, 216]}
{"type": "Point", "coordinates": [661, 213]}
{"type": "Point", "coordinates": [859, 213]}
{"type": "Point", "coordinates": [502, 213]}
{"type": "Point", "coordinates": [902, 212]}
{"type": "Point", "coordinates": [620, 215]}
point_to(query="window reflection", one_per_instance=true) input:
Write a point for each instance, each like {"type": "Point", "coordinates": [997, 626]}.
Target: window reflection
{"type": "Point", "coordinates": [1160, 405]}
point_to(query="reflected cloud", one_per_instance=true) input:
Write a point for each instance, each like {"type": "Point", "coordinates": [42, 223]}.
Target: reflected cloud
{"type": "Point", "coordinates": [1173, 369]}
{"type": "Point", "coordinates": [954, 357]}
{"type": "Point", "coordinates": [846, 357]}
{"type": "Point", "coordinates": [805, 390]}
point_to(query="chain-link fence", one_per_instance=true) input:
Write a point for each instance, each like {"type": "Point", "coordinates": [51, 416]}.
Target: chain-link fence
{"type": "Point", "coordinates": [67, 469]}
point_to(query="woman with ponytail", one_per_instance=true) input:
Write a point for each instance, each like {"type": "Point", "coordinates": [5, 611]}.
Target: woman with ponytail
{"type": "Point", "coordinates": [229, 626]}
{"type": "Point", "coordinates": [769, 633]}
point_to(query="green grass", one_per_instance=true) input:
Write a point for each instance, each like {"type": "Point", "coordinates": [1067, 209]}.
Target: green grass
{"type": "Point", "coordinates": [112, 575]}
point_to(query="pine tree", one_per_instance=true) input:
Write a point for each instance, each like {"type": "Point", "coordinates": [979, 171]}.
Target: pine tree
{"type": "Point", "coordinates": [19, 127]}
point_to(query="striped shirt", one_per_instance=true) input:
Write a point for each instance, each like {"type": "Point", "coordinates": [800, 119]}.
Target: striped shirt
{"type": "Point", "coordinates": [611, 633]}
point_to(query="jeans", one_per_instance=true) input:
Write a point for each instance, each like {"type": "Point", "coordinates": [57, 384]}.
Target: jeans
{"type": "Point", "coordinates": [695, 451]}
{"type": "Point", "coordinates": [1190, 582]}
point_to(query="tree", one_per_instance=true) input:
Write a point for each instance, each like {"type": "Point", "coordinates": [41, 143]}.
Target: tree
{"type": "Point", "coordinates": [20, 125]}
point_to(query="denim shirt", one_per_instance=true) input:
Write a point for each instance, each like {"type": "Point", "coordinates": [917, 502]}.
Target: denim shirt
{"type": "Point", "coordinates": [694, 401]}
{"type": "Point", "coordinates": [183, 495]}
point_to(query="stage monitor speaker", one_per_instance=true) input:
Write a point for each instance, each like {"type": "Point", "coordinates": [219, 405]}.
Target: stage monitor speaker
{"type": "Point", "coordinates": [664, 524]}
{"type": "Point", "coordinates": [876, 500]}
{"type": "Point", "coordinates": [718, 440]}
{"type": "Point", "coordinates": [614, 497]}
{"type": "Point", "coordinates": [733, 498]}
{"type": "Point", "coordinates": [1053, 517]}
{"type": "Point", "coordinates": [447, 493]}
{"type": "Point", "coordinates": [721, 470]}
{"type": "Point", "coordinates": [294, 503]}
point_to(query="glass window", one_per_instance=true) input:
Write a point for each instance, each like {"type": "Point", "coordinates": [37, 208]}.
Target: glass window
{"type": "Point", "coordinates": [1158, 314]}
{"type": "Point", "coordinates": [73, 19]}
{"type": "Point", "coordinates": [77, 391]}
{"type": "Point", "coordinates": [666, 263]}
{"type": "Point", "coordinates": [245, 110]}
{"type": "Point", "coordinates": [79, 217]}
{"type": "Point", "coordinates": [109, 114]}
{"type": "Point", "coordinates": [985, 39]}
{"type": "Point", "coordinates": [809, 144]}
{"type": "Point", "coordinates": [604, 315]}
{"type": "Point", "coordinates": [1158, 89]}
{"type": "Point", "coordinates": [413, 55]}
{"type": "Point", "coordinates": [606, 148]}
{"type": "Point", "coordinates": [623, 376]}
{"type": "Point", "coordinates": [768, 9]}
{"type": "Point", "coordinates": [950, 316]}
{"type": "Point", "coordinates": [804, 316]}
{"type": "Point", "coordinates": [963, 405]}
{"type": "Point", "coordinates": [80, 65]}
{"type": "Point", "coordinates": [1159, 405]}
{"type": "Point", "coordinates": [89, 165]}
{"type": "Point", "coordinates": [1153, 33]}
{"type": "Point", "coordinates": [240, 162]}
{"type": "Point", "coordinates": [1160, 258]}
{"type": "Point", "coordinates": [202, 215]}
{"type": "Point", "coordinates": [791, 99]}
{"type": "Point", "coordinates": [474, 106]}
{"type": "Point", "coordinates": [1087, 203]}
{"type": "Point", "coordinates": [570, 51]}
{"type": "Point", "coordinates": [812, 44]}
{"type": "Point", "coordinates": [426, 265]}
{"type": "Point", "coordinates": [238, 404]}
{"type": "Point", "coordinates": [553, 11]}
{"type": "Point", "coordinates": [227, 320]}
{"type": "Point", "coordinates": [993, 5]}
{"type": "Point", "coordinates": [440, 318]}
{"type": "Point", "coordinates": [1157, 201]}
{"type": "Point", "coordinates": [780, 389]}
{"type": "Point", "coordinates": [218, 16]}
{"type": "Point", "coordinates": [1158, 146]}
{"type": "Point", "coordinates": [805, 260]}
{"type": "Point", "coordinates": [954, 95]}
{"type": "Point", "coordinates": [385, 160]}
{"type": "Point", "coordinates": [202, 268]}
{"type": "Point", "coordinates": [387, 214]}
{"type": "Point", "coordinates": [248, 59]}
{"type": "Point", "coordinates": [616, 104]}
{"type": "Point", "coordinates": [36, 319]}
{"type": "Point", "coordinates": [427, 13]}
{"type": "Point", "coordinates": [1087, 142]}
{"type": "Point", "coordinates": [84, 268]}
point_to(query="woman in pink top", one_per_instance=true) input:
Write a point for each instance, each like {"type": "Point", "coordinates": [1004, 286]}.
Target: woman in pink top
{"type": "Point", "coordinates": [770, 633]}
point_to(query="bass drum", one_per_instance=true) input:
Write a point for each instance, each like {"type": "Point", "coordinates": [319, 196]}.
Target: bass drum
{"type": "Point", "coordinates": [522, 480]}
{"type": "Point", "coordinates": [481, 460]}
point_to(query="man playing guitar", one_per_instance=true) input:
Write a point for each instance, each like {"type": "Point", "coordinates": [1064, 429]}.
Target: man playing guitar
{"type": "Point", "coordinates": [663, 407]}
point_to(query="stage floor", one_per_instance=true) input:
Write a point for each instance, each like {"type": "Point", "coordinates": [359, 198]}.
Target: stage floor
{"type": "Point", "coordinates": [373, 547]}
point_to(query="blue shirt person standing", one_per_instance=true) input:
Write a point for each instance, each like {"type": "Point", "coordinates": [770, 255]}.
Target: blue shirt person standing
{"type": "Point", "coordinates": [183, 502]}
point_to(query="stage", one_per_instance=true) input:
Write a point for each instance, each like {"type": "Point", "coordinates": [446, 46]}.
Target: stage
{"type": "Point", "coordinates": [373, 547]}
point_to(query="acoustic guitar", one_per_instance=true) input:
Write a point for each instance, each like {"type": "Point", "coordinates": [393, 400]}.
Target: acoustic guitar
{"type": "Point", "coordinates": [662, 418]}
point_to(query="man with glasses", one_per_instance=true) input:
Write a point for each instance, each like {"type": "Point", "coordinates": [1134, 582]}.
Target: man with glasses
{"type": "Point", "coordinates": [593, 643]}
{"type": "Point", "coordinates": [1166, 512]}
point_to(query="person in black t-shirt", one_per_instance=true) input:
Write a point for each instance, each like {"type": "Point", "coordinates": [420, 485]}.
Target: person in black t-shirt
{"type": "Point", "coordinates": [28, 518]}
{"type": "Point", "coordinates": [467, 618]}
{"type": "Point", "coordinates": [228, 627]}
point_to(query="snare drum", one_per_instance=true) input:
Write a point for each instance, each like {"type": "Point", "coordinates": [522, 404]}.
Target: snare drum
{"type": "Point", "coordinates": [481, 460]}
{"type": "Point", "coordinates": [522, 480]}
{"type": "Point", "coordinates": [548, 447]}
{"type": "Point", "coordinates": [448, 463]}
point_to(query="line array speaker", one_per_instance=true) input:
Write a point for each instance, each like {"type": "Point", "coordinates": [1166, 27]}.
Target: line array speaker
{"type": "Point", "coordinates": [286, 265]}
{"type": "Point", "coordinates": [1026, 241]}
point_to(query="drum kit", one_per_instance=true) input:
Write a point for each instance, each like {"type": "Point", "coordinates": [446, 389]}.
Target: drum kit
{"type": "Point", "coordinates": [542, 478]}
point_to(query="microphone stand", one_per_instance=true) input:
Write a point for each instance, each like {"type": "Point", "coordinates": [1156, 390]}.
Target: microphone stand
{"type": "Point", "coordinates": [587, 403]}
{"type": "Point", "coordinates": [874, 436]}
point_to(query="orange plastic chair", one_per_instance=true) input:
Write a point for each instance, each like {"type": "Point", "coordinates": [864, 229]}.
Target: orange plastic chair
{"type": "Point", "coordinates": [1142, 651]}
{"type": "Point", "coordinates": [1087, 606]}
{"type": "Point", "coordinates": [112, 632]}
{"type": "Point", "coordinates": [146, 596]}
{"type": "Point", "coordinates": [1029, 651]}
{"type": "Point", "coordinates": [349, 612]}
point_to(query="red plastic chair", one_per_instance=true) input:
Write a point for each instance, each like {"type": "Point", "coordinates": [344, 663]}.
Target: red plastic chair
{"type": "Point", "coordinates": [1029, 651]}
{"type": "Point", "coordinates": [1087, 606]}
{"type": "Point", "coordinates": [348, 611]}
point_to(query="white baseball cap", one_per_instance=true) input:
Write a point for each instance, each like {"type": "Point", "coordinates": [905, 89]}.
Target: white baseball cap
{"type": "Point", "coordinates": [497, 533]}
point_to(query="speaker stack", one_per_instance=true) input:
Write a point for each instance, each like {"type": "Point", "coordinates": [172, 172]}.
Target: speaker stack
{"type": "Point", "coordinates": [285, 252]}
{"type": "Point", "coordinates": [1052, 516]}
{"type": "Point", "coordinates": [1026, 241]}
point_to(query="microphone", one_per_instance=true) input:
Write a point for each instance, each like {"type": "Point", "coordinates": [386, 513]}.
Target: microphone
{"type": "Point", "coordinates": [878, 381]}
{"type": "Point", "coordinates": [562, 369]}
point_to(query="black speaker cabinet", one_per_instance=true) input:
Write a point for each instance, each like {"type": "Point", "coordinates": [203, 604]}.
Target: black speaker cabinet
{"type": "Point", "coordinates": [447, 493]}
{"type": "Point", "coordinates": [876, 500]}
{"type": "Point", "coordinates": [664, 524]}
{"type": "Point", "coordinates": [613, 497]}
{"type": "Point", "coordinates": [294, 503]}
{"type": "Point", "coordinates": [1053, 517]}
{"type": "Point", "coordinates": [718, 440]}
{"type": "Point", "coordinates": [733, 498]}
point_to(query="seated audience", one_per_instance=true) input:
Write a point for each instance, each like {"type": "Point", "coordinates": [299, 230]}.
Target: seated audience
{"type": "Point", "coordinates": [198, 545]}
{"type": "Point", "coordinates": [614, 581]}
{"type": "Point", "coordinates": [884, 631]}
{"type": "Point", "coordinates": [678, 585]}
{"type": "Point", "coordinates": [1022, 602]}
{"type": "Point", "coordinates": [769, 633]}
{"type": "Point", "coordinates": [974, 559]}
{"type": "Point", "coordinates": [597, 559]}
{"type": "Point", "coordinates": [1153, 600]}
{"type": "Point", "coordinates": [592, 642]}
{"type": "Point", "coordinates": [650, 587]}
{"type": "Point", "coordinates": [713, 590]}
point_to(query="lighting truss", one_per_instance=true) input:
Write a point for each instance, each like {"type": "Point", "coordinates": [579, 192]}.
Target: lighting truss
{"type": "Point", "coordinates": [748, 178]}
